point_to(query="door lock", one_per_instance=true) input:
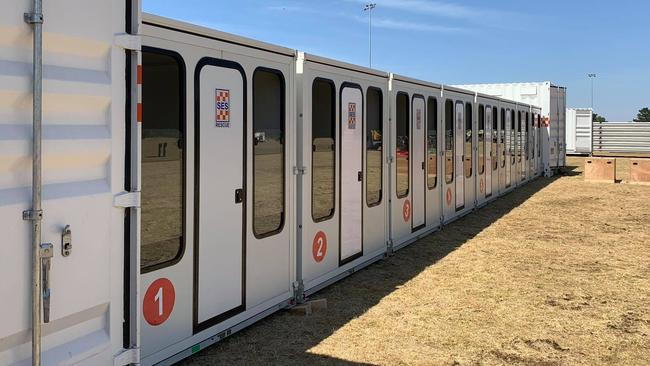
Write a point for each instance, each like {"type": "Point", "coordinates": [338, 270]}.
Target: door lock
{"type": "Point", "coordinates": [360, 176]}
{"type": "Point", "coordinates": [239, 195]}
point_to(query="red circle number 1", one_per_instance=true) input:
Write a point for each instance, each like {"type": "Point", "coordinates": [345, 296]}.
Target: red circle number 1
{"type": "Point", "coordinates": [319, 246]}
{"type": "Point", "coordinates": [159, 301]}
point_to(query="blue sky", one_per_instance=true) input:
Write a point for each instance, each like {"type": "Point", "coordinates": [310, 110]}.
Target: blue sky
{"type": "Point", "coordinates": [460, 42]}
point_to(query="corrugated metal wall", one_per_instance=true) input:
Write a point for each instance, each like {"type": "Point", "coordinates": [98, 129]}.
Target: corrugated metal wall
{"type": "Point", "coordinates": [578, 130]}
{"type": "Point", "coordinates": [83, 167]}
{"type": "Point", "coordinates": [621, 137]}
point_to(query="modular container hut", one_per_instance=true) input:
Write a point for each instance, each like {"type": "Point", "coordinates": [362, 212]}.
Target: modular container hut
{"type": "Point", "coordinates": [218, 141]}
{"type": "Point", "coordinates": [342, 203]}
{"type": "Point", "coordinates": [552, 100]}
{"type": "Point", "coordinates": [578, 131]}
{"type": "Point", "coordinates": [415, 170]}
{"type": "Point", "coordinates": [195, 181]}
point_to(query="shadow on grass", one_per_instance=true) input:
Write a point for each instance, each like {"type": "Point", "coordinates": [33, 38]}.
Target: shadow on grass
{"type": "Point", "coordinates": [286, 339]}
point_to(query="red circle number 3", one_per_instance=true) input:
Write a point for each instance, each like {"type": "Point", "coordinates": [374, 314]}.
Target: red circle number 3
{"type": "Point", "coordinates": [406, 210]}
{"type": "Point", "coordinates": [319, 246]}
{"type": "Point", "coordinates": [159, 301]}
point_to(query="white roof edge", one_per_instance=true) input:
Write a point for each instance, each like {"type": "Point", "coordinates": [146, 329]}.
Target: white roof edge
{"type": "Point", "coordinates": [345, 65]}
{"type": "Point", "coordinates": [549, 83]}
{"type": "Point", "coordinates": [416, 81]}
{"type": "Point", "coordinates": [213, 33]}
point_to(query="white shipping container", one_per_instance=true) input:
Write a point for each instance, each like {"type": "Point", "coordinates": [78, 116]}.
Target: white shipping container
{"type": "Point", "coordinates": [551, 99]}
{"type": "Point", "coordinates": [578, 130]}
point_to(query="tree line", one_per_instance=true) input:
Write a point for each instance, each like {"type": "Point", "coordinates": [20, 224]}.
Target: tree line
{"type": "Point", "coordinates": [642, 116]}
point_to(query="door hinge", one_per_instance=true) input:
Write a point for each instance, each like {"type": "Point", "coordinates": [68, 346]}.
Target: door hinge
{"type": "Point", "coordinates": [127, 199]}
{"type": "Point", "coordinates": [127, 357]}
{"type": "Point", "coordinates": [128, 41]}
{"type": "Point", "coordinates": [299, 170]}
{"type": "Point", "coordinates": [389, 159]}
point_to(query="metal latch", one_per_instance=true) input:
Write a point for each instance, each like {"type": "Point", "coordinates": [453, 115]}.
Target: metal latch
{"type": "Point", "coordinates": [239, 195]}
{"type": "Point", "coordinates": [127, 199]}
{"type": "Point", "coordinates": [128, 41]}
{"type": "Point", "coordinates": [30, 215]}
{"type": "Point", "coordinates": [299, 170]}
{"type": "Point", "coordinates": [66, 241]}
{"type": "Point", "coordinates": [32, 18]}
{"type": "Point", "coordinates": [127, 357]}
{"type": "Point", "coordinates": [46, 251]}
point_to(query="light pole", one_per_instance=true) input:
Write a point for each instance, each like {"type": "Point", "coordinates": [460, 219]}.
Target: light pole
{"type": "Point", "coordinates": [592, 77]}
{"type": "Point", "coordinates": [368, 7]}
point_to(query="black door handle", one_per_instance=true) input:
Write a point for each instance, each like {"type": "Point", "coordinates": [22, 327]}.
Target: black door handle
{"type": "Point", "coordinates": [239, 195]}
{"type": "Point", "coordinates": [360, 176]}
{"type": "Point", "coordinates": [422, 165]}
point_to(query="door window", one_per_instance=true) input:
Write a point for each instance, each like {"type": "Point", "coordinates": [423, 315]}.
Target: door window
{"type": "Point", "coordinates": [495, 138]}
{"type": "Point", "coordinates": [449, 141]}
{"type": "Point", "coordinates": [163, 163]}
{"type": "Point", "coordinates": [268, 152]}
{"type": "Point", "coordinates": [481, 139]}
{"type": "Point", "coordinates": [374, 146]}
{"type": "Point", "coordinates": [469, 151]}
{"type": "Point", "coordinates": [323, 149]}
{"type": "Point", "coordinates": [402, 165]}
{"type": "Point", "coordinates": [432, 142]}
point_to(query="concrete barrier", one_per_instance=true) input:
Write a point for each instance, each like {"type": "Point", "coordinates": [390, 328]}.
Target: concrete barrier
{"type": "Point", "coordinates": [640, 171]}
{"type": "Point", "coordinates": [600, 169]}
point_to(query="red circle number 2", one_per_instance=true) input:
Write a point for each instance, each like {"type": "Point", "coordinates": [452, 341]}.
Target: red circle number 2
{"type": "Point", "coordinates": [319, 247]}
{"type": "Point", "coordinates": [159, 301]}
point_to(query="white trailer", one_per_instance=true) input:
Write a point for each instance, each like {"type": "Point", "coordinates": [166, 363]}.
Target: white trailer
{"type": "Point", "coordinates": [552, 100]}
{"type": "Point", "coordinates": [579, 129]}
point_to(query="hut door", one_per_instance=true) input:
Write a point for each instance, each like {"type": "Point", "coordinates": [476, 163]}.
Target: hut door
{"type": "Point", "coordinates": [351, 172]}
{"type": "Point", "coordinates": [487, 138]}
{"type": "Point", "coordinates": [460, 158]}
{"type": "Point", "coordinates": [417, 161]}
{"type": "Point", "coordinates": [220, 192]}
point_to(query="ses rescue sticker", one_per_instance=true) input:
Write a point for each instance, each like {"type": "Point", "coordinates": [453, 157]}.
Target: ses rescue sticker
{"type": "Point", "coordinates": [222, 107]}
{"type": "Point", "coordinates": [352, 116]}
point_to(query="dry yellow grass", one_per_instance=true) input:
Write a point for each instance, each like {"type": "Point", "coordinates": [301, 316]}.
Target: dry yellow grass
{"type": "Point", "coordinates": [555, 273]}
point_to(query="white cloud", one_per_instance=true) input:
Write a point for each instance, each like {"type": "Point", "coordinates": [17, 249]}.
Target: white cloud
{"type": "Point", "coordinates": [439, 8]}
{"type": "Point", "coordinates": [430, 7]}
{"type": "Point", "coordinates": [388, 23]}
{"type": "Point", "coordinates": [381, 21]}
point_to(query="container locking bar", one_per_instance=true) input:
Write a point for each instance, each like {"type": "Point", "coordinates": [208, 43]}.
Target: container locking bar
{"type": "Point", "coordinates": [45, 253]}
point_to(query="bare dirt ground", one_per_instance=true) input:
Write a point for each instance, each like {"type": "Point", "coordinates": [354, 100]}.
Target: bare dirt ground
{"type": "Point", "coordinates": [555, 273]}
